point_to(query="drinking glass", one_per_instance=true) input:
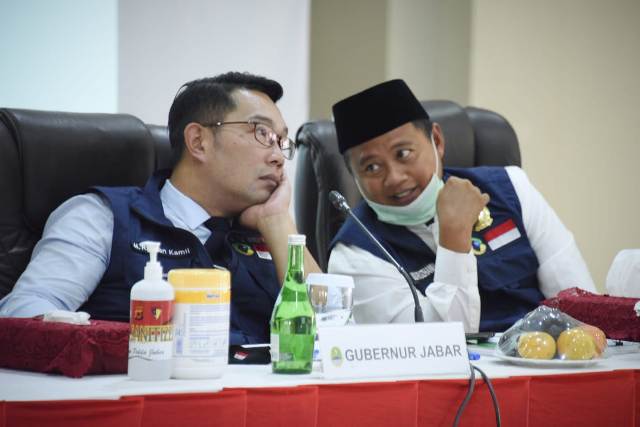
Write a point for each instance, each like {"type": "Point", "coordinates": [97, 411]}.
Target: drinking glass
{"type": "Point", "coordinates": [331, 297]}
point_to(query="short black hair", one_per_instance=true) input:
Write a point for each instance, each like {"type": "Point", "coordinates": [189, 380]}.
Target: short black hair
{"type": "Point", "coordinates": [209, 99]}
{"type": "Point", "coordinates": [424, 125]}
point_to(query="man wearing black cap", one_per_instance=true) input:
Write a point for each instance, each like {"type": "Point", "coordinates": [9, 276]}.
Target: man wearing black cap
{"type": "Point", "coordinates": [500, 247]}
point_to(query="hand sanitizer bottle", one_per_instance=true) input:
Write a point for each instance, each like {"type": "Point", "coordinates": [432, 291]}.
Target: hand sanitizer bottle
{"type": "Point", "coordinates": [151, 336]}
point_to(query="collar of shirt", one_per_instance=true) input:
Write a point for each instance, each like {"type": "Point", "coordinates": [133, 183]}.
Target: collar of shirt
{"type": "Point", "coordinates": [426, 234]}
{"type": "Point", "coordinates": [184, 212]}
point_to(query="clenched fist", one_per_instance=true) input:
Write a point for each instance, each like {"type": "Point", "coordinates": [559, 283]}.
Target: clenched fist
{"type": "Point", "coordinates": [458, 206]}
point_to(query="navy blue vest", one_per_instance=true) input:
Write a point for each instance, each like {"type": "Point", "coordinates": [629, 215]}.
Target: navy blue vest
{"type": "Point", "coordinates": [506, 277]}
{"type": "Point", "coordinates": [138, 216]}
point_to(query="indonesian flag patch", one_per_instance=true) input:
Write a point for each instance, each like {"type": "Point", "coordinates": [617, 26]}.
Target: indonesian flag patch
{"type": "Point", "coordinates": [240, 355]}
{"type": "Point", "coordinates": [502, 234]}
{"type": "Point", "coordinates": [262, 250]}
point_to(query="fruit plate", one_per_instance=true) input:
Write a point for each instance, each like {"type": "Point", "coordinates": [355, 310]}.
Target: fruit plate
{"type": "Point", "coordinates": [552, 363]}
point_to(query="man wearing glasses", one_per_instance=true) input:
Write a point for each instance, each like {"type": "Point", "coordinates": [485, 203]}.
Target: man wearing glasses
{"type": "Point", "coordinates": [225, 203]}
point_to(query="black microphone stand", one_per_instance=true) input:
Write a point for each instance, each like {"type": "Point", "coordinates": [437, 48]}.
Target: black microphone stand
{"type": "Point", "coordinates": [340, 203]}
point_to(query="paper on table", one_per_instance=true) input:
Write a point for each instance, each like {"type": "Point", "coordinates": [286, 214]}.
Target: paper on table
{"type": "Point", "coordinates": [71, 317]}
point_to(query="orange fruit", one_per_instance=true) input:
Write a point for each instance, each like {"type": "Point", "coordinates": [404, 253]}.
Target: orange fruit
{"type": "Point", "coordinates": [576, 344]}
{"type": "Point", "coordinates": [536, 345]}
{"type": "Point", "coordinates": [599, 338]}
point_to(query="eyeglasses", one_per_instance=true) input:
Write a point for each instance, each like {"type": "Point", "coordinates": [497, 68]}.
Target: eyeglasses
{"type": "Point", "coordinates": [265, 136]}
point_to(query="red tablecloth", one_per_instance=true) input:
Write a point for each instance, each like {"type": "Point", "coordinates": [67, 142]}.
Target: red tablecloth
{"type": "Point", "coordinates": [582, 399]}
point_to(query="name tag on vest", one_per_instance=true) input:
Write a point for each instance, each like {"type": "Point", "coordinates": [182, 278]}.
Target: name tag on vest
{"type": "Point", "coordinates": [166, 252]}
{"type": "Point", "coordinates": [359, 351]}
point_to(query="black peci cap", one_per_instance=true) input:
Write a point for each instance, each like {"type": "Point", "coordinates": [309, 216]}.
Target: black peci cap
{"type": "Point", "coordinates": [375, 111]}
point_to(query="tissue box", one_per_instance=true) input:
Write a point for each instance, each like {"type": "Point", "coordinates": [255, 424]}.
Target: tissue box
{"type": "Point", "coordinates": [616, 316]}
{"type": "Point", "coordinates": [72, 350]}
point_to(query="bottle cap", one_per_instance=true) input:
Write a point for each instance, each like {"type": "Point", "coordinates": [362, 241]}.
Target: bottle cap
{"type": "Point", "coordinates": [153, 269]}
{"type": "Point", "coordinates": [297, 239]}
{"type": "Point", "coordinates": [189, 278]}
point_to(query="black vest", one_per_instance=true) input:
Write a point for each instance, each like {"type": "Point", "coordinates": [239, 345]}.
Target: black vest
{"type": "Point", "coordinates": [138, 216]}
{"type": "Point", "coordinates": [506, 276]}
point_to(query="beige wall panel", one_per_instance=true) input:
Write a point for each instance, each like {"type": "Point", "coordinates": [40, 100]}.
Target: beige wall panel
{"type": "Point", "coordinates": [428, 46]}
{"type": "Point", "coordinates": [348, 50]}
{"type": "Point", "coordinates": [565, 73]}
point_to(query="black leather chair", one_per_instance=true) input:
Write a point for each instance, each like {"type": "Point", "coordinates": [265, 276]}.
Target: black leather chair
{"type": "Point", "coordinates": [47, 157]}
{"type": "Point", "coordinates": [474, 137]}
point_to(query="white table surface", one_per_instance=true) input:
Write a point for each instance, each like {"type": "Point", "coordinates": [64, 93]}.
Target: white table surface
{"type": "Point", "coordinates": [30, 386]}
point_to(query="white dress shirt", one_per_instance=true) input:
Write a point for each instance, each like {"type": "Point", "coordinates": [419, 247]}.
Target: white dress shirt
{"type": "Point", "coordinates": [381, 294]}
{"type": "Point", "coordinates": [69, 261]}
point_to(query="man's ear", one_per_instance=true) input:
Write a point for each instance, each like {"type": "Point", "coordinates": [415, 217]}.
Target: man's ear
{"type": "Point", "coordinates": [438, 139]}
{"type": "Point", "coordinates": [194, 140]}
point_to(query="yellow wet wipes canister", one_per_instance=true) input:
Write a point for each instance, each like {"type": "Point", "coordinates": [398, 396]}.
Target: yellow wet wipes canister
{"type": "Point", "coordinates": [201, 322]}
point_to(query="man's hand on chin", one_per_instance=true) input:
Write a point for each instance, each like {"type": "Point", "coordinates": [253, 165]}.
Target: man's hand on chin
{"type": "Point", "coordinates": [275, 208]}
{"type": "Point", "coordinates": [273, 222]}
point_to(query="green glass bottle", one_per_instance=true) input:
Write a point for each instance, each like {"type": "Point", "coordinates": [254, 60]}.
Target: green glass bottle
{"type": "Point", "coordinates": [293, 323]}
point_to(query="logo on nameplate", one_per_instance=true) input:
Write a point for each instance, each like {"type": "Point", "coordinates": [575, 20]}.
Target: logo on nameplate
{"type": "Point", "coordinates": [336, 356]}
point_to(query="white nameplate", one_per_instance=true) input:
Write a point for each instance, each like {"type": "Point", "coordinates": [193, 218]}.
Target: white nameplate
{"type": "Point", "coordinates": [357, 351]}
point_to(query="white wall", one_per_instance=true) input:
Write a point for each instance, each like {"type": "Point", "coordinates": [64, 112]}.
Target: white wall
{"type": "Point", "coordinates": [131, 56]}
{"type": "Point", "coordinates": [59, 55]}
{"type": "Point", "coordinates": [164, 43]}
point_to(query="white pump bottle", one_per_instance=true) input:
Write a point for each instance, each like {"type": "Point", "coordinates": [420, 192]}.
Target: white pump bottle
{"type": "Point", "coordinates": [151, 337]}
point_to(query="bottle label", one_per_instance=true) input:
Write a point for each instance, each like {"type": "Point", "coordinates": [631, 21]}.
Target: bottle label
{"type": "Point", "coordinates": [294, 340]}
{"type": "Point", "coordinates": [275, 348]}
{"type": "Point", "coordinates": [151, 336]}
{"type": "Point", "coordinates": [202, 324]}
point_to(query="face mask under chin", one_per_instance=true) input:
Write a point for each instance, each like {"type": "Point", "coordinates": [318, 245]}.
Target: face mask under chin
{"type": "Point", "coordinates": [419, 211]}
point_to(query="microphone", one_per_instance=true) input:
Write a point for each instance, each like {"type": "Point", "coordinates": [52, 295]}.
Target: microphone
{"type": "Point", "coordinates": [341, 204]}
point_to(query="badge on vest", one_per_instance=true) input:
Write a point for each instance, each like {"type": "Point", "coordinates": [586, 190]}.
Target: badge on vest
{"type": "Point", "coordinates": [478, 246]}
{"type": "Point", "coordinates": [243, 248]}
{"type": "Point", "coordinates": [502, 235]}
{"type": "Point", "coordinates": [484, 219]}
{"type": "Point", "coordinates": [249, 245]}
{"type": "Point", "coordinates": [262, 250]}
{"type": "Point", "coordinates": [166, 252]}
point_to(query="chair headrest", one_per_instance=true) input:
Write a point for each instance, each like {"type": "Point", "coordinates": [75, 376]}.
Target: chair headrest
{"type": "Point", "coordinates": [321, 139]}
{"type": "Point", "coordinates": [496, 141]}
{"type": "Point", "coordinates": [164, 155]}
{"type": "Point", "coordinates": [459, 148]}
{"type": "Point", "coordinates": [62, 154]}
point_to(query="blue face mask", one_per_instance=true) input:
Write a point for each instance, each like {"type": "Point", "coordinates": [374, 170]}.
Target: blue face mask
{"type": "Point", "coordinates": [420, 211]}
